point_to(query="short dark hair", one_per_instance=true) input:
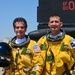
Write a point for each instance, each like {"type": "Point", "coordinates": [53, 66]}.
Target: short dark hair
{"type": "Point", "coordinates": [55, 14]}
{"type": "Point", "coordinates": [20, 19]}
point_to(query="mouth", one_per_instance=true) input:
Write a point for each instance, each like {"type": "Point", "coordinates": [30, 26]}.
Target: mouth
{"type": "Point", "coordinates": [54, 28]}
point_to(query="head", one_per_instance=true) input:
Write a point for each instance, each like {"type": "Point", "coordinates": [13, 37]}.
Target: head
{"type": "Point", "coordinates": [55, 23]}
{"type": "Point", "coordinates": [5, 54]}
{"type": "Point", "coordinates": [20, 27]}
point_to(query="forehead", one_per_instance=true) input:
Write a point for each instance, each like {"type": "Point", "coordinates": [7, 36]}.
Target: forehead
{"type": "Point", "coordinates": [54, 18]}
{"type": "Point", "coordinates": [19, 23]}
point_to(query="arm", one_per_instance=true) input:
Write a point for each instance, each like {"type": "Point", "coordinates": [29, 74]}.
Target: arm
{"type": "Point", "coordinates": [38, 61]}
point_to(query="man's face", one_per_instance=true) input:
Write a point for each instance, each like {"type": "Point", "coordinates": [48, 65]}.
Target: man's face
{"type": "Point", "coordinates": [20, 29]}
{"type": "Point", "coordinates": [54, 23]}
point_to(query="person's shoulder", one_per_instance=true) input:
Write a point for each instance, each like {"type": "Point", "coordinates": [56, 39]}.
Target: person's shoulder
{"type": "Point", "coordinates": [41, 40]}
{"type": "Point", "coordinates": [32, 41]}
{"type": "Point", "coordinates": [68, 36]}
{"type": "Point", "coordinates": [43, 37]}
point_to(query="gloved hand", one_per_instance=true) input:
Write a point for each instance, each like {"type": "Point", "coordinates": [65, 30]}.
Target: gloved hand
{"type": "Point", "coordinates": [66, 58]}
{"type": "Point", "coordinates": [26, 61]}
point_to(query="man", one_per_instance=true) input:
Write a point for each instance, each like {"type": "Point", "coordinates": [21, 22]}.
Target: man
{"type": "Point", "coordinates": [26, 55]}
{"type": "Point", "coordinates": [56, 49]}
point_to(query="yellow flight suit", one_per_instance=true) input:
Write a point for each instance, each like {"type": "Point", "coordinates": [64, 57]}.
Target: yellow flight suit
{"type": "Point", "coordinates": [26, 58]}
{"type": "Point", "coordinates": [57, 54]}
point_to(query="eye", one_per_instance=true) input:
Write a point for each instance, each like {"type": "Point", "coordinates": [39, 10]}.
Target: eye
{"type": "Point", "coordinates": [22, 27]}
{"type": "Point", "coordinates": [56, 21]}
{"type": "Point", "coordinates": [51, 21]}
{"type": "Point", "coordinates": [17, 27]}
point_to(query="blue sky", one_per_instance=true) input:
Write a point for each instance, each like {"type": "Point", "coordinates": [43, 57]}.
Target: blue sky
{"type": "Point", "coordinates": [10, 9]}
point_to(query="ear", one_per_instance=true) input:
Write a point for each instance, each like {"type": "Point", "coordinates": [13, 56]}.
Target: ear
{"type": "Point", "coordinates": [25, 29]}
{"type": "Point", "coordinates": [48, 24]}
{"type": "Point", "coordinates": [61, 24]}
{"type": "Point", "coordinates": [14, 29]}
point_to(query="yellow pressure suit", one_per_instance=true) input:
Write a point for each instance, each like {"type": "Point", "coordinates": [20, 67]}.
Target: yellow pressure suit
{"type": "Point", "coordinates": [57, 54]}
{"type": "Point", "coordinates": [26, 58]}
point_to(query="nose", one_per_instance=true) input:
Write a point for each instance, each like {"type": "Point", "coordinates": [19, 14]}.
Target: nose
{"type": "Point", "coordinates": [19, 28]}
{"type": "Point", "coordinates": [54, 23]}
